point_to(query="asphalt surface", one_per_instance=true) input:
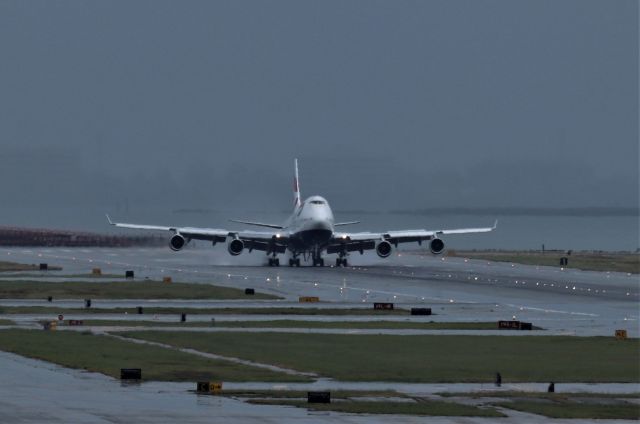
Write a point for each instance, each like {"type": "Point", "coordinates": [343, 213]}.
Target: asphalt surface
{"type": "Point", "coordinates": [563, 301]}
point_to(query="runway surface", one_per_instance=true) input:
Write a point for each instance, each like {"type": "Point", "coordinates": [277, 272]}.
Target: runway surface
{"type": "Point", "coordinates": [561, 301]}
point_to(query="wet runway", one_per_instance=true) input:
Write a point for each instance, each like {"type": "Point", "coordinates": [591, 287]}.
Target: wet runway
{"type": "Point", "coordinates": [561, 301]}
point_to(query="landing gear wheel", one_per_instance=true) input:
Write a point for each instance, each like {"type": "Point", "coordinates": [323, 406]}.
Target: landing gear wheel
{"type": "Point", "coordinates": [297, 261]}
{"type": "Point", "coordinates": [276, 262]}
{"type": "Point", "coordinates": [321, 262]}
{"type": "Point", "coordinates": [292, 262]}
{"type": "Point", "coordinates": [338, 262]}
{"type": "Point", "coordinates": [345, 263]}
{"type": "Point", "coordinates": [270, 262]}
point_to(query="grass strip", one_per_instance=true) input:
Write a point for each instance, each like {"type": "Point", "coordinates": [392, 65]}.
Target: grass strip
{"type": "Point", "coordinates": [107, 355]}
{"type": "Point", "coordinates": [363, 325]}
{"type": "Point", "coordinates": [6, 266]}
{"type": "Point", "coordinates": [6, 322]}
{"type": "Point", "coordinates": [298, 394]}
{"type": "Point", "coordinates": [426, 408]}
{"type": "Point", "coordinates": [588, 261]}
{"type": "Point", "coordinates": [580, 410]}
{"type": "Point", "coordinates": [38, 275]}
{"type": "Point", "coordinates": [539, 395]}
{"type": "Point", "coordinates": [121, 290]}
{"type": "Point", "coordinates": [428, 359]}
{"type": "Point", "coordinates": [205, 311]}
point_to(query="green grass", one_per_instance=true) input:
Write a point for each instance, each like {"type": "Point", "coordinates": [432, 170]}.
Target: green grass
{"type": "Point", "coordinates": [6, 266]}
{"type": "Point", "coordinates": [426, 358]}
{"type": "Point", "coordinates": [207, 311]}
{"type": "Point", "coordinates": [427, 408]}
{"type": "Point", "coordinates": [107, 355]}
{"type": "Point", "coordinates": [589, 261]}
{"type": "Point", "coordinates": [6, 322]}
{"type": "Point", "coordinates": [540, 395]}
{"type": "Point", "coordinates": [580, 410]}
{"type": "Point", "coordinates": [365, 325]}
{"type": "Point", "coordinates": [37, 275]}
{"type": "Point", "coordinates": [298, 394]}
{"type": "Point", "coordinates": [384, 325]}
{"type": "Point", "coordinates": [121, 290]}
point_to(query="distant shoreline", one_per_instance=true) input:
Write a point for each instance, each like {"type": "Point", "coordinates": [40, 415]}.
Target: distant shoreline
{"type": "Point", "coordinates": [462, 210]}
{"type": "Point", "coordinates": [523, 211]}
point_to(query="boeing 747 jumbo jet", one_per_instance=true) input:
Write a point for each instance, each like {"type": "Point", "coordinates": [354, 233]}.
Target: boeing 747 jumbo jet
{"type": "Point", "coordinates": [309, 232]}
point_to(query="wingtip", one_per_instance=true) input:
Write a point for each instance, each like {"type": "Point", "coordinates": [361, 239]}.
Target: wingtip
{"type": "Point", "coordinates": [108, 219]}
{"type": "Point", "coordinates": [495, 224]}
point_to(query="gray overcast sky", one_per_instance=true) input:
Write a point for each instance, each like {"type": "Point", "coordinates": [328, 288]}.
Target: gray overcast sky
{"type": "Point", "coordinates": [421, 103]}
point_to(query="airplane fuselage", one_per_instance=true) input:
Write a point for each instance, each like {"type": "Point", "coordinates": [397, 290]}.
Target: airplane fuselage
{"type": "Point", "coordinates": [310, 227]}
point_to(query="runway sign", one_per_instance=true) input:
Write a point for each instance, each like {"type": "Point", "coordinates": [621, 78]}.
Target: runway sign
{"type": "Point", "coordinates": [318, 397]}
{"type": "Point", "coordinates": [621, 334]}
{"type": "Point", "coordinates": [130, 373]}
{"type": "Point", "coordinates": [309, 299]}
{"type": "Point", "coordinates": [209, 387]}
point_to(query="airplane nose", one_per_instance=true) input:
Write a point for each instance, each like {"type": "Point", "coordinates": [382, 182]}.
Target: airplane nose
{"type": "Point", "coordinates": [318, 224]}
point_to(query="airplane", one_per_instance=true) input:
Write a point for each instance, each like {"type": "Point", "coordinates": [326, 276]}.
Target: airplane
{"type": "Point", "coordinates": [309, 232]}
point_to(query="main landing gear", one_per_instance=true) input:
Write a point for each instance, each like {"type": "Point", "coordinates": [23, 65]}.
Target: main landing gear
{"type": "Point", "coordinates": [318, 261]}
{"type": "Point", "coordinates": [342, 261]}
{"type": "Point", "coordinates": [294, 262]}
{"type": "Point", "coordinates": [274, 262]}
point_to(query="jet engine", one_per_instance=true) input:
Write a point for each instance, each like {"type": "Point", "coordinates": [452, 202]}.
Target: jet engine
{"type": "Point", "coordinates": [383, 249]}
{"type": "Point", "coordinates": [235, 247]}
{"type": "Point", "coordinates": [177, 242]}
{"type": "Point", "coordinates": [436, 246]}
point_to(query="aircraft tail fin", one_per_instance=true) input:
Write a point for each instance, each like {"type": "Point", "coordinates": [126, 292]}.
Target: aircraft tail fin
{"type": "Point", "coordinates": [296, 188]}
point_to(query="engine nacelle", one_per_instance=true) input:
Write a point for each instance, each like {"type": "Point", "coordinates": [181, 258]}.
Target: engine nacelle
{"type": "Point", "coordinates": [177, 242]}
{"type": "Point", "coordinates": [235, 247]}
{"type": "Point", "coordinates": [383, 249]}
{"type": "Point", "coordinates": [436, 246]}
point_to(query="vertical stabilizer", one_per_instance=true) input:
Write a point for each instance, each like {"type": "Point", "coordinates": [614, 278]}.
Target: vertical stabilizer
{"type": "Point", "coordinates": [296, 187]}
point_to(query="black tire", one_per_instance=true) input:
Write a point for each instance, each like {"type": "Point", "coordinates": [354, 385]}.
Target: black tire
{"type": "Point", "coordinates": [298, 262]}
{"type": "Point", "coordinates": [345, 263]}
{"type": "Point", "coordinates": [276, 262]}
{"type": "Point", "coordinates": [291, 262]}
{"type": "Point", "coordinates": [321, 262]}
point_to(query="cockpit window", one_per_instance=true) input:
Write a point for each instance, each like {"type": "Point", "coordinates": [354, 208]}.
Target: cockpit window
{"type": "Point", "coordinates": [317, 202]}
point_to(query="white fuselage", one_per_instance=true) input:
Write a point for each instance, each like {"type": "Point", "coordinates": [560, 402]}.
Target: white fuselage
{"type": "Point", "coordinates": [310, 226]}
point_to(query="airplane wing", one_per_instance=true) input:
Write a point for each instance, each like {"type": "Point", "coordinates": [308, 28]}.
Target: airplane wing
{"type": "Point", "coordinates": [340, 224]}
{"type": "Point", "coordinates": [361, 241]}
{"type": "Point", "coordinates": [257, 224]}
{"type": "Point", "coordinates": [268, 241]}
